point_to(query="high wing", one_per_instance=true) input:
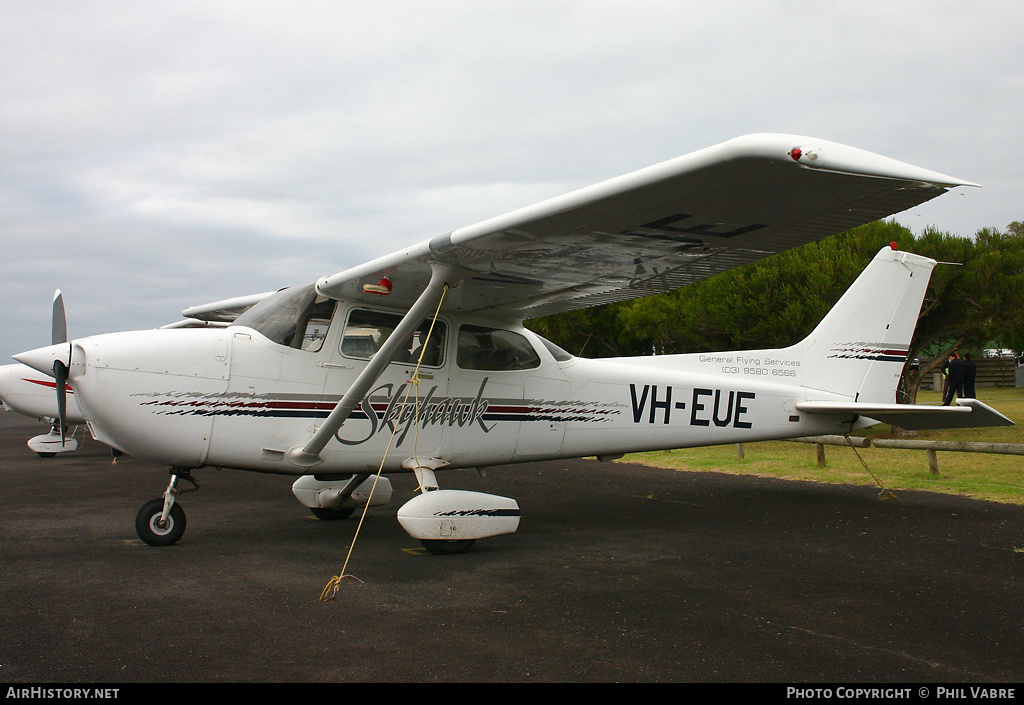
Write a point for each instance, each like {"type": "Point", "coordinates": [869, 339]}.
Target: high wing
{"type": "Point", "coordinates": [655, 229]}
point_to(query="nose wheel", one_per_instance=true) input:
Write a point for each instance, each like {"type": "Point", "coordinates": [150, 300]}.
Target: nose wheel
{"type": "Point", "coordinates": [156, 530]}
{"type": "Point", "coordinates": [161, 521]}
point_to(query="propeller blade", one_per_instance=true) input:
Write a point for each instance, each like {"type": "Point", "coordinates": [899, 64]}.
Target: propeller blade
{"type": "Point", "coordinates": [60, 375]}
{"type": "Point", "coordinates": [60, 321]}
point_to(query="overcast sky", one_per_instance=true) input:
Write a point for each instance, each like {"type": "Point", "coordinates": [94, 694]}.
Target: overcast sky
{"type": "Point", "coordinates": [159, 155]}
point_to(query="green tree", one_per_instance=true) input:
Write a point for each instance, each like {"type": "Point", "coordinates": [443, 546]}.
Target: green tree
{"type": "Point", "coordinates": [590, 332]}
{"type": "Point", "coordinates": [976, 294]}
{"type": "Point", "coordinates": [994, 286]}
{"type": "Point", "coordinates": [771, 303]}
{"type": "Point", "coordinates": [942, 323]}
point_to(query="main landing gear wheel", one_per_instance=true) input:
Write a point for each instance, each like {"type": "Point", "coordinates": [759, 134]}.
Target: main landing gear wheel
{"type": "Point", "coordinates": [150, 528]}
{"type": "Point", "coordinates": [442, 547]}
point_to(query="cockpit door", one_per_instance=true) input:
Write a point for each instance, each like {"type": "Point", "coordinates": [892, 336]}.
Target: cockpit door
{"type": "Point", "coordinates": [404, 412]}
{"type": "Point", "coordinates": [274, 396]}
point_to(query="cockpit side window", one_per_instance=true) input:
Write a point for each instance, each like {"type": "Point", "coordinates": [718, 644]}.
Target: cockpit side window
{"type": "Point", "coordinates": [483, 348]}
{"type": "Point", "coordinates": [366, 331]}
{"type": "Point", "coordinates": [295, 317]}
{"type": "Point", "coordinates": [316, 324]}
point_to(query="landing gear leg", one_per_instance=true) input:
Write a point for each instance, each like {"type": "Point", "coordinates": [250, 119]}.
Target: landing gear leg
{"type": "Point", "coordinates": [161, 522]}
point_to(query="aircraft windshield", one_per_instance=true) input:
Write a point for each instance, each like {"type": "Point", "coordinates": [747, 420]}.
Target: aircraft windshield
{"type": "Point", "coordinates": [296, 317]}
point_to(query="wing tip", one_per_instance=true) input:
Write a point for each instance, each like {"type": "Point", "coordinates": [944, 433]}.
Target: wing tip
{"type": "Point", "coordinates": [824, 155]}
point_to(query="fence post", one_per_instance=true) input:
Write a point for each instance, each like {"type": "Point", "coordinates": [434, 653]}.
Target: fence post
{"type": "Point", "coordinates": [933, 462]}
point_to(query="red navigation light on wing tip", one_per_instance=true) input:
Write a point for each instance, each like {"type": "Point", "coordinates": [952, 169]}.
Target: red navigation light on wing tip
{"type": "Point", "coordinates": [893, 245]}
{"type": "Point", "coordinates": [796, 153]}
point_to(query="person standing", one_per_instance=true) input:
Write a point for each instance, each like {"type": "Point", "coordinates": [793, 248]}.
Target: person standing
{"type": "Point", "coordinates": [970, 372]}
{"type": "Point", "coordinates": [954, 369]}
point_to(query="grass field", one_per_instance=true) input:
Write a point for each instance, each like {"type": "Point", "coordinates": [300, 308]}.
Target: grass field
{"type": "Point", "coordinates": [980, 475]}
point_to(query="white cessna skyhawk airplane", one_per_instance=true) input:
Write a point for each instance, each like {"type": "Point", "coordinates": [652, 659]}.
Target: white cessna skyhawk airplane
{"type": "Point", "coordinates": [418, 361]}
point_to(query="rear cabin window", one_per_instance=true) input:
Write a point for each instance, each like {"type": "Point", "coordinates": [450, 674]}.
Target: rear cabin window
{"type": "Point", "coordinates": [366, 331]}
{"type": "Point", "coordinates": [482, 348]}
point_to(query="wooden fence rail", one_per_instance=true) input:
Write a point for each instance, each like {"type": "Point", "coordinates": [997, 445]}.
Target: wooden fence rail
{"type": "Point", "coordinates": [821, 441]}
{"type": "Point", "coordinates": [931, 447]}
{"type": "Point", "coordinates": [958, 446]}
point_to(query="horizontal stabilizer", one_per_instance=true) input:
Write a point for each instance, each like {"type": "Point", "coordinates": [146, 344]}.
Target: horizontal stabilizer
{"type": "Point", "coordinates": [970, 413]}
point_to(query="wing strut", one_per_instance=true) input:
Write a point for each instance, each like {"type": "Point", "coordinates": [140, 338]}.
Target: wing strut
{"type": "Point", "coordinates": [441, 276]}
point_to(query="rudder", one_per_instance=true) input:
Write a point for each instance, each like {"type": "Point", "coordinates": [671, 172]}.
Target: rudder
{"type": "Point", "coordinates": [859, 348]}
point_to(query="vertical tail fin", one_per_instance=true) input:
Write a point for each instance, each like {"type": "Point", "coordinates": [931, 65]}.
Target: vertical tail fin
{"type": "Point", "coordinates": [859, 348]}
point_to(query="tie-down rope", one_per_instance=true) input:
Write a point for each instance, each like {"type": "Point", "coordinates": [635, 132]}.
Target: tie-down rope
{"type": "Point", "coordinates": [330, 591]}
